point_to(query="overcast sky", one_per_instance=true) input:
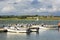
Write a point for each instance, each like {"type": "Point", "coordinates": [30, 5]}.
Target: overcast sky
{"type": "Point", "coordinates": [30, 7]}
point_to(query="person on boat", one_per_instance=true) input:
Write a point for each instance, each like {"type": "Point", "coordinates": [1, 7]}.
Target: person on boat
{"type": "Point", "coordinates": [3, 25]}
{"type": "Point", "coordinates": [58, 26]}
{"type": "Point", "coordinates": [42, 24]}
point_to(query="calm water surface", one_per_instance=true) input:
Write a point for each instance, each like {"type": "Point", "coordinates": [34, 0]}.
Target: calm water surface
{"type": "Point", "coordinates": [42, 35]}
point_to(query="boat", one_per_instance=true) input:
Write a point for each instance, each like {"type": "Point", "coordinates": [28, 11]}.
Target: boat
{"type": "Point", "coordinates": [17, 29]}
{"type": "Point", "coordinates": [22, 28]}
{"type": "Point", "coordinates": [39, 26]}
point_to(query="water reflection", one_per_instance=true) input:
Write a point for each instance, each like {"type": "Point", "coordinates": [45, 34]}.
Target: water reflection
{"type": "Point", "coordinates": [25, 36]}
{"type": "Point", "coordinates": [42, 35]}
{"type": "Point", "coordinates": [22, 36]}
{"type": "Point", "coordinates": [3, 36]}
{"type": "Point", "coordinates": [16, 36]}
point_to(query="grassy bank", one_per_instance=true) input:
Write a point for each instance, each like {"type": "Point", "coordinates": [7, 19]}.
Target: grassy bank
{"type": "Point", "coordinates": [29, 17]}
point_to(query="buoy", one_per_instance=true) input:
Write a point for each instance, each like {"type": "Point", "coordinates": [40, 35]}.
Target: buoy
{"type": "Point", "coordinates": [58, 26]}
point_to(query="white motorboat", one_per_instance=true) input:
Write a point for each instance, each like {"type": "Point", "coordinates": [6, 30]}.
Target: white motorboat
{"type": "Point", "coordinates": [39, 26]}
{"type": "Point", "coordinates": [16, 29]}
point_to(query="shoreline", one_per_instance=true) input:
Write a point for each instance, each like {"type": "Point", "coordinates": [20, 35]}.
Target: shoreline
{"type": "Point", "coordinates": [25, 19]}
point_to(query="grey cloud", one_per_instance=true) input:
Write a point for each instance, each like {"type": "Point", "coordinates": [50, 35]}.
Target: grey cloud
{"type": "Point", "coordinates": [31, 7]}
{"type": "Point", "coordinates": [2, 0]}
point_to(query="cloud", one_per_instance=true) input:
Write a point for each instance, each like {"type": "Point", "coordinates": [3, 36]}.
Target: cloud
{"type": "Point", "coordinates": [18, 0]}
{"type": "Point", "coordinates": [8, 8]}
{"type": "Point", "coordinates": [13, 1]}
{"type": "Point", "coordinates": [2, 0]}
{"type": "Point", "coordinates": [26, 6]}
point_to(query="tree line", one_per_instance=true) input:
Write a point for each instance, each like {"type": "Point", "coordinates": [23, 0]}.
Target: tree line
{"type": "Point", "coordinates": [22, 17]}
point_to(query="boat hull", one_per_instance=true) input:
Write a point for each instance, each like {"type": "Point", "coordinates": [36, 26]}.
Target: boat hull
{"type": "Point", "coordinates": [17, 31]}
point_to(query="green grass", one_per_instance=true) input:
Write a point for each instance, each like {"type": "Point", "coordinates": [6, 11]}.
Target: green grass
{"type": "Point", "coordinates": [40, 18]}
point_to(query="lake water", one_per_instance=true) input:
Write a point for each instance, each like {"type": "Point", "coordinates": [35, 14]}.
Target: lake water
{"type": "Point", "coordinates": [42, 35]}
{"type": "Point", "coordinates": [6, 22]}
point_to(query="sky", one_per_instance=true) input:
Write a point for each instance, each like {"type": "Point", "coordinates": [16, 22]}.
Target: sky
{"type": "Point", "coordinates": [30, 7]}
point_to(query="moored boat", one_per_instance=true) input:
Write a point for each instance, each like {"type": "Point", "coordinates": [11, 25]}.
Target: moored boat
{"type": "Point", "coordinates": [17, 29]}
